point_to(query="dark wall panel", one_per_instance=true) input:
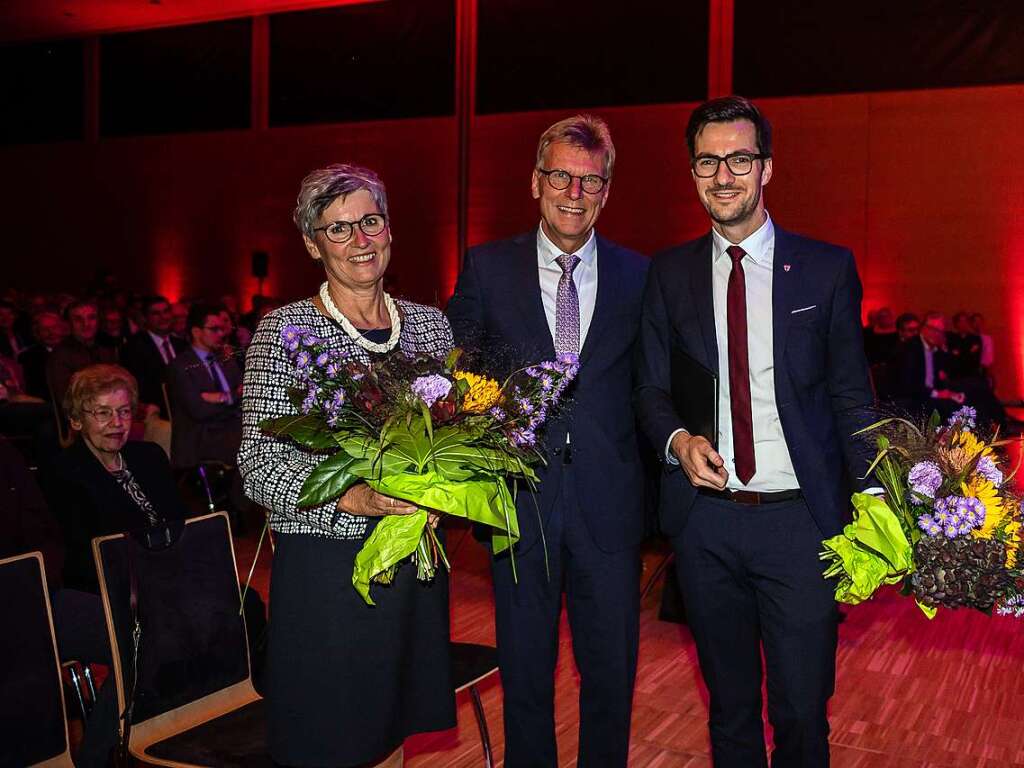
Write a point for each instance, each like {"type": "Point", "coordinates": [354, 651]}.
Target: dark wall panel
{"type": "Point", "coordinates": [792, 47]}
{"type": "Point", "coordinates": [538, 54]}
{"type": "Point", "coordinates": [381, 60]}
{"type": "Point", "coordinates": [176, 80]}
{"type": "Point", "coordinates": [41, 90]}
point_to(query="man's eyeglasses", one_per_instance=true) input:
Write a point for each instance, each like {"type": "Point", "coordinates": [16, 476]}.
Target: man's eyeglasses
{"type": "Point", "coordinates": [559, 179]}
{"type": "Point", "coordinates": [738, 163]}
{"type": "Point", "coordinates": [106, 415]}
{"type": "Point", "coordinates": [341, 231]}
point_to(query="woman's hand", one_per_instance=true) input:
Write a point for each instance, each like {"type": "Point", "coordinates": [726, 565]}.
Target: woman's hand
{"type": "Point", "coordinates": [362, 500]}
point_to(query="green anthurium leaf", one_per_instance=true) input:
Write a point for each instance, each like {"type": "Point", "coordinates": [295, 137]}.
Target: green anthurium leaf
{"type": "Point", "coordinates": [308, 431]}
{"type": "Point", "coordinates": [331, 478]}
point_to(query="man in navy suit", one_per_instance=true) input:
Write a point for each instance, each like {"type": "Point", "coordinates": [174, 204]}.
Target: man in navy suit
{"type": "Point", "coordinates": [776, 317]}
{"type": "Point", "coordinates": [563, 288]}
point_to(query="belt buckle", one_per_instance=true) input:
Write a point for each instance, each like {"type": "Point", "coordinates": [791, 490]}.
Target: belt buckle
{"type": "Point", "coordinates": [746, 497]}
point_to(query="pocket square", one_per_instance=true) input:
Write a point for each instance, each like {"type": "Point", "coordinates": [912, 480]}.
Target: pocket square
{"type": "Point", "coordinates": [802, 309]}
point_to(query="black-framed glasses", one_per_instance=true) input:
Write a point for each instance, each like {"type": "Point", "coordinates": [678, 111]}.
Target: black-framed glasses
{"type": "Point", "coordinates": [738, 163]}
{"type": "Point", "coordinates": [341, 231]}
{"type": "Point", "coordinates": [559, 179]}
{"type": "Point", "coordinates": [106, 415]}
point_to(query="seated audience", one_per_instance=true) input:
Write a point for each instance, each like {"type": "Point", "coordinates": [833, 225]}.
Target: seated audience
{"type": "Point", "coordinates": [880, 338]}
{"type": "Point", "coordinates": [112, 330]}
{"type": "Point", "coordinates": [908, 326]}
{"type": "Point", "coordinates": [205, 389]}
{"type": "Point", "coordinates": [965, 347]}
{"type": "Point", "coordinates": [922, 371]}
{"type": "Point", "coordinates": [148, 353]}
{"type": "Point", "coordinates": [12, 341]}
{"type": "Point", "coordinates": [78, 350]}
{"type": "Point", "coordinates": [21, 415]}
{"type": "Point", "coordinates": [48, 332]}
{"type": "Point", "coordinates": [179, 320]}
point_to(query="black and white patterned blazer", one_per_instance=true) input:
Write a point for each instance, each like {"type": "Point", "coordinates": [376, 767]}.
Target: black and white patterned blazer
{"type": "Point", "coordinates": [273, 469]}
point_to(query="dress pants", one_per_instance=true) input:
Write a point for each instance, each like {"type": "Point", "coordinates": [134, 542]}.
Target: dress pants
{"type": "Point", "coordinates": [751, 577]}
{"type": "Point", "coordinates": [602, 598]}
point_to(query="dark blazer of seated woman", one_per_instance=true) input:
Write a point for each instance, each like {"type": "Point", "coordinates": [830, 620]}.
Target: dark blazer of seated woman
{"type": "Point", "coordinates": [103, 484]}
{"type": "Point", "coordinates": [89, 502]}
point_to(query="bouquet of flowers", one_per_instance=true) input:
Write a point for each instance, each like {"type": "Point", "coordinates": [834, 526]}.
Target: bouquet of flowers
{"type": "Point", "coordinates": [949, 527]}
{"type": "Point", "coordinates": [419, 429]}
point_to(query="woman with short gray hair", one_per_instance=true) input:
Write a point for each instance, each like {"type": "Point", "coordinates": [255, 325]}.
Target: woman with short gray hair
{"type": "Point", "coordinates": [346, 682]}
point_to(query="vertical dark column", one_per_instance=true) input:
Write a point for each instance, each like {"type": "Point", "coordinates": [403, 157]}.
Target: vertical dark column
{"type": "Point", "coordinates": [465, 107]}
{"type": "Point", "coordinates": [91, 100]}
{"type": "Point", "coordinates": [260, 80]}
{"type": "Point", "coordinates": [720, 42]}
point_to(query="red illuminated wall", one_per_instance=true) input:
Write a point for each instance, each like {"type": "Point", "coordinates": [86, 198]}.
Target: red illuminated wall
{"type": "Point", "coordinates": [926, 187]}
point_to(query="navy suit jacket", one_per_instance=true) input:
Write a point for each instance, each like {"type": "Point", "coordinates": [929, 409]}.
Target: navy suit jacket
{"type": "Point", "coordinates": [822, 386]}
{"type": "Point", "coordinates": [497, 308]}
{"type": "Point", "coordinates": [203, 431]}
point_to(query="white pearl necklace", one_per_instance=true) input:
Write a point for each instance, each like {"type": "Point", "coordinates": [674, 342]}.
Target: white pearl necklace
{"type": "Point", "coordinates": [355, 335]}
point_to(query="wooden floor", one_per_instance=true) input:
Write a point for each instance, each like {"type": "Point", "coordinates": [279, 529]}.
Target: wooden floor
{"type": "Point", "coordinates": [910, 693]}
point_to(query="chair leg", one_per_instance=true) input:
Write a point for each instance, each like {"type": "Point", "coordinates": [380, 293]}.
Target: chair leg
{"type": "Point", "coordinates": [481, 721]}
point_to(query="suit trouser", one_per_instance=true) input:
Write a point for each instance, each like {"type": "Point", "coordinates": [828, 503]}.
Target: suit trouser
{"type": "Point", "coordinates": [602, 599]}
{"type": "Point", "coordinates": [751, 577]}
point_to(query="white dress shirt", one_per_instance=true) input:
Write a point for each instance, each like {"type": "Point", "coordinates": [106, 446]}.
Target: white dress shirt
{"type": "Point", "coordinates": [774, 467]}
{"type": "Point", "coordinates": [159, 341]}
{"type": "Point", "coordinates": [584, 276]}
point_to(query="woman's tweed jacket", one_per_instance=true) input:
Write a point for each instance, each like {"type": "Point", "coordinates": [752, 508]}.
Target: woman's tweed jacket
{"type": "Point", "coordinates": [273, 470]}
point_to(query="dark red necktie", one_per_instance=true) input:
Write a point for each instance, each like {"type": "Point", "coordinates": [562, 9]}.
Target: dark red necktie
{"type": "Point", "coordinates": [739, 369]}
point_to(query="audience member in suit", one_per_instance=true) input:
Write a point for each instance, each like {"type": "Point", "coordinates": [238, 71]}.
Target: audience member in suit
{"type": "Point", "coordinates": [48, 331]}
{"type": "Point", "coordinates": [102, 484]}
{"type": "Point", "coordinates": [777, 317]}
{"type": "Point", "coordinates": [923, 372]}
{"type": "Point", "coordinates": [562, 288]}
{"type": "Point", "coordinates": [988, 351]}
{"type": "Point", "coordinates": [12, 342]}
{"type": "Point", "coordinates": [78, 350]}
{"type": "Point", "coordinates": [179, 320]}
{"type": "Point", "coordinates": [148, 353]}
{"type": "Point", "coordinates": [881, 343]}
{"type": "Point", "coordinates": [965, 348]}
{"type": "Point", "coordinates": [908, 326]}
{"type": "Point", "coordinates": [112, 334]}
{"type": "Point", "coordinates": [205, 391]}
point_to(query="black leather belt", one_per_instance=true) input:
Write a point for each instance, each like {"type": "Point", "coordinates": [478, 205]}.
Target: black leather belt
{"type": "Point", "coordinates": [751, 497]}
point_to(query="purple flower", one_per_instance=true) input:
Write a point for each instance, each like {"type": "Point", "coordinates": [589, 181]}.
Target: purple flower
{"type": "Point", "coordinates": [927, 524]}
{"type": "Point", "coordinates": [525, 405]}
{"type": "Point", "coordinates": [322, 359]}
{"type": "Point", "coordinates": [498, 414]}
{"type": "Point", "coordinates": [964, 418]}
{"type": "Point", "coordinates": [308, 339]}
{"type": "Point", "coordinates": [333, 368]}
{"type": "Point", "coordinates": [988, 469]}
{"type": "Point", "coordinates": [310, 402]}
{"type": "Point", "coordinates": [951, 531]}
{"type": "Point", "coordinates": [303, 359]}
{"type": "Point", "coordinates": [924, 479]}
{"type": "Point", "coordinates": [1011, 606]}
{"type": "Point", "coordinates": [290, 335]}
{"type": "Point", "coordinates": [972, 511]}
{"type": "Point", "coordinates": [431, 388]}
{"type": "Point", "coordinates": [546, 383]}
{"type": "Point", "coordinates": [523, 437]}
{"type": "Point", "coordinates": [336, 400]}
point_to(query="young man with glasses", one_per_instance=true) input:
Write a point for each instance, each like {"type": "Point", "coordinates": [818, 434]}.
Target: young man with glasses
{"type": "Point", "coordinates": [776, 317]}
{"type": "Point", "coordinates": [562, 288]}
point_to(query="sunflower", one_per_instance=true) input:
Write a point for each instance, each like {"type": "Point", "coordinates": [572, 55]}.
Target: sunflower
{"type": "Point", "coordinates": [483, 393]}
{"type": "Point", "coordinates": [964, 448]}
{"type": "Point", "coordinates": [988, 494]}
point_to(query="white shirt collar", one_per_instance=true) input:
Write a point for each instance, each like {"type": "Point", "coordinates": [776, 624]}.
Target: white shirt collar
{"type": "Point", "coordinates": [159, 340]}
{"type": "Point", "coordinates": [757, 245]}
{"type": "Point", "coordinates": [547, 251]}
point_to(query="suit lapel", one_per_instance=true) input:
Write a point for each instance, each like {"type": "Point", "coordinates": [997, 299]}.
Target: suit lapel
{"type": "Point", "coordinates": [607, 280]}
{"type": "Point", "coordinates": [526, 284]}
{"type": "Point", "coordinates": [785, 278]}
{"type": "Point", "coordinates": [702, 291]}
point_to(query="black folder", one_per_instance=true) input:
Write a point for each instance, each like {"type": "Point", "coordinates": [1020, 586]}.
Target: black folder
{"type": "Point", "coordinates": [695, 395]}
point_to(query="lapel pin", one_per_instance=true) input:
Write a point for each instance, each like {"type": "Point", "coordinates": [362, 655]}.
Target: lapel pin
{"type": "Point", "coordinates": [785, 267]}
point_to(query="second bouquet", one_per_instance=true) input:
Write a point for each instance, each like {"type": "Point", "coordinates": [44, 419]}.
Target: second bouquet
{"type": "Point", "coordinates": [425, 430]}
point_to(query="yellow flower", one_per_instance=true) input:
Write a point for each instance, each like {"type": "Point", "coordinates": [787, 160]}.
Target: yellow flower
{"type": "Point", "coordinates": [483, 393]}
{"type": "Point", "coordinates": [1012, 543]}
{"type": "Point", "coordinates": [963, 448]}
{"type": "Point", "coordinates": [988, 494]}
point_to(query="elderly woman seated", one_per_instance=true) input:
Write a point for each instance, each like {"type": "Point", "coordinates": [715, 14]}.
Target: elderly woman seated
{"type": "Point", "coordinates": [103, 483]}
